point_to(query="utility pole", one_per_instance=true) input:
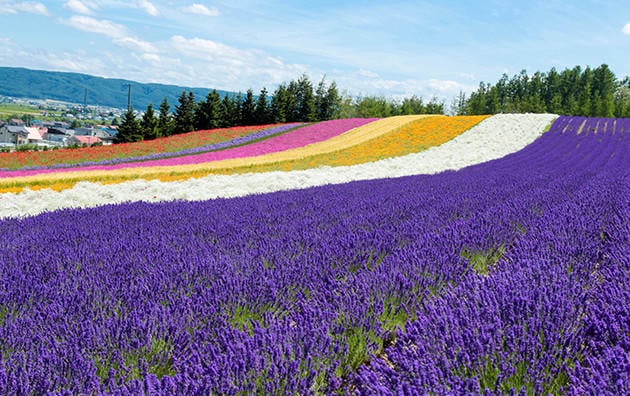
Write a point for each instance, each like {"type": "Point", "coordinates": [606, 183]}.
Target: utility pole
{"type": "Point", "coordinates": [128, 96]}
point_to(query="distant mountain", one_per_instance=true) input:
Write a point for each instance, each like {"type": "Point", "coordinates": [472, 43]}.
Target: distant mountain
{"type": "Point", "coordinates": [74, 87]}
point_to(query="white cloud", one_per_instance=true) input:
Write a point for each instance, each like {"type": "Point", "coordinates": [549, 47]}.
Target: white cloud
{"type": "Point", "coordinates": [104, 27]}
{"type": "Point", "coordinates": [148, 7]}
{"type": "Point", "coordinates": [80, 7]}
{"type": "Point", "coordinates": [74, 62]}
{"type": "Point", "coordinates": [24, 6]}
{"type": "Point", "coordinates": [214, 64]}
{"type": "Point", "coordinates": [626, 28]}
{"type": "Point", "coordinates": [135, 44]}
{"type": "Point", "coordinates": [368, 73]}
{"type": "Point", "coordinates": [357, 84]}
{"type": "Point", "coordinates": [151, 57]}
{"type": "Point", "coordinates": [444, 85]}
{"type": "Point", "coordinates": [200, 9]}
{"type": "Point", "coordinates": [208, 49]}
{"type": "Point", "coordinates": [112, 30]}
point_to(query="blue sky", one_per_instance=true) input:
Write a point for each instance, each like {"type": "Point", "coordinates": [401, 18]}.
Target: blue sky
{"type": "Point", "coordinates": [393, 48]}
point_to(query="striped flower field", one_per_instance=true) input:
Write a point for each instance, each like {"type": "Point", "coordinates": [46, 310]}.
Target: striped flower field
{"type": "Point", "coordinates": [415, 255]}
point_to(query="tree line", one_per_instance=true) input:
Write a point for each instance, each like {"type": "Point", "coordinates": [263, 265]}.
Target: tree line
{"type": "Point", "coordinates": [296, 101]}
{"type": "Point", "coordinates": [584, 92]}
{"type": "Point", "coordinates": [577, 91]}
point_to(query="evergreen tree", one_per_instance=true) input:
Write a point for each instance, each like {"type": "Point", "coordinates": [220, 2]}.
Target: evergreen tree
{"type": "Point", "coordinates": [185, 113]}
{"type": "Point", "coordinates": [213, 109]}
{"type": "Point", "coordinates": [412, 105]}
{"type": "Point", "coordinates": [476, 103]}
{"type": "Point", "coordinates": [458, 104]}
{"type": "Point", "coordinates": [262, 112]}
{"type": "Point", "coordinates": [327, 101]}
{"type": "Point", "coordinates": [292, 100]}
{"type": "Point", "coordinates": [208, 112]}
{"type": "Point", "coordinates": [305, 100]}
{"type": "Point", "coordinates": [332, 103]}
{"type": "Point", "coordinates": [280, 104]}
{"type": "Point", "coordinates": [585, 92]}
{"type": "Point", "coordinates": [166, 124]}
{"type": "Point", "coordinates": [576, 91]}
{"type": "Point", "coordinates": [374, 106]}
{"type": "Point", "coordinates": [229, 115]}
{"type": "Point", "coordinates": [604, 87]}
{"type": "Point", "coordinates": [248, 109]}
{"type": "Point", "coordinates": [553, 95]}
{"type": "Point", "coordinates": [435, 106]}
{"type": "Point", "coordinates": [502, 93]}
{"type": "Point", "coordinates": [149, 124]}
{"type": "Point", "coordinates": [201, 120]}
{"type": "Point", "coordinates": [570, 83]}
{"type": "Point", "coordinates": [535, 94]}
{"type": "Point", "coordinates": [622, 99]}
{"type": "Point", "coordinates": [320, 100]}
{"type": "Point", "coordinates": [129, 130]}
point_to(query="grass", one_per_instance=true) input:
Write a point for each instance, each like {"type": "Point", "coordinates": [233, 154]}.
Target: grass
{"type": "Point", "coordinates": [16, 108]}
{"type": "Point", "coordinates": [482, 261]}
{"type": "Point", "coordinates": [157, 357]}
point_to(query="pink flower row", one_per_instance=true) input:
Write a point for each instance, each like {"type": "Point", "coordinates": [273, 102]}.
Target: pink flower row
{"type": "Point", "coordinates": [296, 138]}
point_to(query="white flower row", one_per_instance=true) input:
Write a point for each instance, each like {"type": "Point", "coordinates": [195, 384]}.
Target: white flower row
{"type": "Point", "coordinates": [493, 138]}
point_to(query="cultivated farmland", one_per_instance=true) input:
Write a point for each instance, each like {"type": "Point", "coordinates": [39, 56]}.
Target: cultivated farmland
{"type": "Point", "coordinates": [491, 256]}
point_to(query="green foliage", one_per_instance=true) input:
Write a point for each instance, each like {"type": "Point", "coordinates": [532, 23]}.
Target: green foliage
{"type": "Point", "coordinates": [587, 92]}
{"type": "Point", "coordinates": [248, 109]}
{"type": "Point", "coordinates": [28, 147]}
{"type": "Point", "coordinates": [357, 349]}
{"type": "Point", "coordinates": [208, 112]}
{"type": "Point", "coordinates": [184, 118]}
{"type": "Point", "coordinates": [621, 99]}
{"type": "Point", "coordinates": [488, 372]}
{"type": "Point", "coordinates": [482, 261]}
{"type": "Point", "coordinates": [75, 124]}
{"type": "Point", "coordinates": [327, 100]}
{"type": "Point", "coordinates": [157, 356]}
{"type": "Point", "coordinates": [130, 129]}
{"type": "Point", "coordinates": [375, 106]}
{"type": "Point", "coordinates": [6, 312]}
{"type": "Point", "coordinates": [166, 125]}
{"type": "Point", "coordinates": [380, 106]}
{"type": "Point", "coordinates": [394, 316]}
{"type": "Point", "coordinates": [149, 124]}
{"type": "Point", "coordinates": [230, 111]}
{"type": "Point", "coordinates": [242, 316]}
{"type": "Point", "coordinates": [262, 112]}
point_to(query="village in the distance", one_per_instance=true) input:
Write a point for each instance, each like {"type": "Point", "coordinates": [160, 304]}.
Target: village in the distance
{"type": "Point", "coordinates": [45, 124]}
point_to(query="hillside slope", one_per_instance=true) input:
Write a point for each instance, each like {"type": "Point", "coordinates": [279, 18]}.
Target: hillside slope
{"type": "Point", "coordinates": [71, 87]}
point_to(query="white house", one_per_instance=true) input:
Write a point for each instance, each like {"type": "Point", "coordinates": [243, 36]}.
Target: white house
{"type": "Point", "coordinates": [33, 135]}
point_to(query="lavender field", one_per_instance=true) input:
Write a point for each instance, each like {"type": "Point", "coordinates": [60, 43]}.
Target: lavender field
{"type": "Point", "coordinates": [508, 277]}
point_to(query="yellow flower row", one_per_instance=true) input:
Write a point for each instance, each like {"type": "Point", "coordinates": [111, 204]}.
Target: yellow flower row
{"type": "Point", "coordinates": [388, 137]}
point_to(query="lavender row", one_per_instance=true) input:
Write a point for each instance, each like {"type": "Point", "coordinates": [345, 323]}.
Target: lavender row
{"type": "Point", "coordinates": [554, 316]}
{"type": "Point", "coordinates": [499, 275]}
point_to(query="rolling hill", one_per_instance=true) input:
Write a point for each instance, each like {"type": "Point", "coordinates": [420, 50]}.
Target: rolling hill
{"type": "Point", "coordinates": [76, 87]}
